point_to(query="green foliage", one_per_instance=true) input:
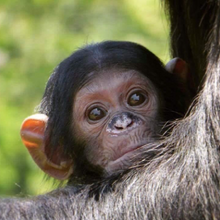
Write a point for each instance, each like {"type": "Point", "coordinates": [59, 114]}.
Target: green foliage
{"type": "Point", "coordinates": [35, 36]}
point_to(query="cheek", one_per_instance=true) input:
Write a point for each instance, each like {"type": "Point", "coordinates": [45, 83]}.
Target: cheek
{"type": "Point", "coordinates": [92, 135]}
{"type": "Point", "coordinates": [83, 130]}
{"type": "Point", "coordinates": [98, 154]}
{"type": "Point", "coordinates": [152, 110]}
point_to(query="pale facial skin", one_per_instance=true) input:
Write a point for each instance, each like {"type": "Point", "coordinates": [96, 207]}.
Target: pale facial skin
{"type": "Point", "coordinates": [117, 112]}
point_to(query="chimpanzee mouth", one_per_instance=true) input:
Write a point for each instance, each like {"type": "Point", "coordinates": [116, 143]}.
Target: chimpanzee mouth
{"type": "Point", "coordinates": [124, 160]}
{"type": "Point", "coordinates": [128, 155]}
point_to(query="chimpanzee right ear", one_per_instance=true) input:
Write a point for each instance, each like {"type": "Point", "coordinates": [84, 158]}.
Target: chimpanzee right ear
{"type": "Point", "coordinates": [32, 135]}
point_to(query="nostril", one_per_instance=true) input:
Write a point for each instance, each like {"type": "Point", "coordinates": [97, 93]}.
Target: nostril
{"type": "Point", "coordinates": [119, 128]}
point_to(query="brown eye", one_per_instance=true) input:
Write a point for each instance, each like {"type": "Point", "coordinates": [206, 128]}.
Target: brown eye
{"type": "Point", "coordinates": [96, 114]}
{"type": "Point", "coordinates": [136, 98]}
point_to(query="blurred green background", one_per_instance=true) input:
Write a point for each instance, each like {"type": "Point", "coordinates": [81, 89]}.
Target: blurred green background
{"type": "Point", "coordinates": [35, 35]}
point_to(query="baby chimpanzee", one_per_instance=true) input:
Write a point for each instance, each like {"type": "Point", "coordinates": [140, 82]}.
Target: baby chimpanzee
{"type": "Point", "coordinates": [101, 107]}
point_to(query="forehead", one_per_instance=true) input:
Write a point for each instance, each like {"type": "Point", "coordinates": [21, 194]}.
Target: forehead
{"type": "Point", "coordinates": [115, 73]}
{"type": "Point", "coordinates": [112, 79]}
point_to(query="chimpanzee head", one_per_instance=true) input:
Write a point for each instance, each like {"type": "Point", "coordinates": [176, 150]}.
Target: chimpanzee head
{"type": "Point", "coordinates": [101, 105]}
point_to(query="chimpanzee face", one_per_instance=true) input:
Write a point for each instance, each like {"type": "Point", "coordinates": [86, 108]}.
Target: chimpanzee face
{"type": "Point", "coordinates": [116, 113]}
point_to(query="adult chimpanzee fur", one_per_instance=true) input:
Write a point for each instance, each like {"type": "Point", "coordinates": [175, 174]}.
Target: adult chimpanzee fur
{"type": "Point", "coordinates": [191, 27]}
{"type": "Point", "coordinates": [75, 71]}
{"type": "Point", "coordinates": [182, 181]}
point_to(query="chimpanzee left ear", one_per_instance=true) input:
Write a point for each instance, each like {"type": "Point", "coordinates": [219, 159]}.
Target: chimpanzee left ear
{"type": "Point", "coordinates": [181, 69]}
{"type": "Point", "coordinates": [178, 67]}
{"type": "Point", "coordinates": [32, 135]}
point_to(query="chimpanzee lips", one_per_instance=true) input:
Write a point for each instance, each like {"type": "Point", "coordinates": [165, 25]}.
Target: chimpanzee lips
{"type": "Point", "coordinates": [130, 153]}
{"type": "Point", "coordinates": [123, 160]}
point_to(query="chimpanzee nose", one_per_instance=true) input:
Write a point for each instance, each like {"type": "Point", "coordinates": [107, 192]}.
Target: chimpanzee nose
{"type": "Point", "coordinates": [123, 122]}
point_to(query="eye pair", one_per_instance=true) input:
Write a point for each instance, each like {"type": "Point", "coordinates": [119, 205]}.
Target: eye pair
{"type": "Point", "coordinates": [135, 99]}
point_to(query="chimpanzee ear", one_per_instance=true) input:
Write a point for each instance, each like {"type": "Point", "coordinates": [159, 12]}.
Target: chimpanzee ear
{"type": "Point", "coordinates": [32, 135]}
{"type": "Point", "coordinates": [178, 67]}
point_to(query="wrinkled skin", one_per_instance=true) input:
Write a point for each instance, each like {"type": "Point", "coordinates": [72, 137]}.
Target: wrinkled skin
{"type": "Point", "coordinates": [123, 124]}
